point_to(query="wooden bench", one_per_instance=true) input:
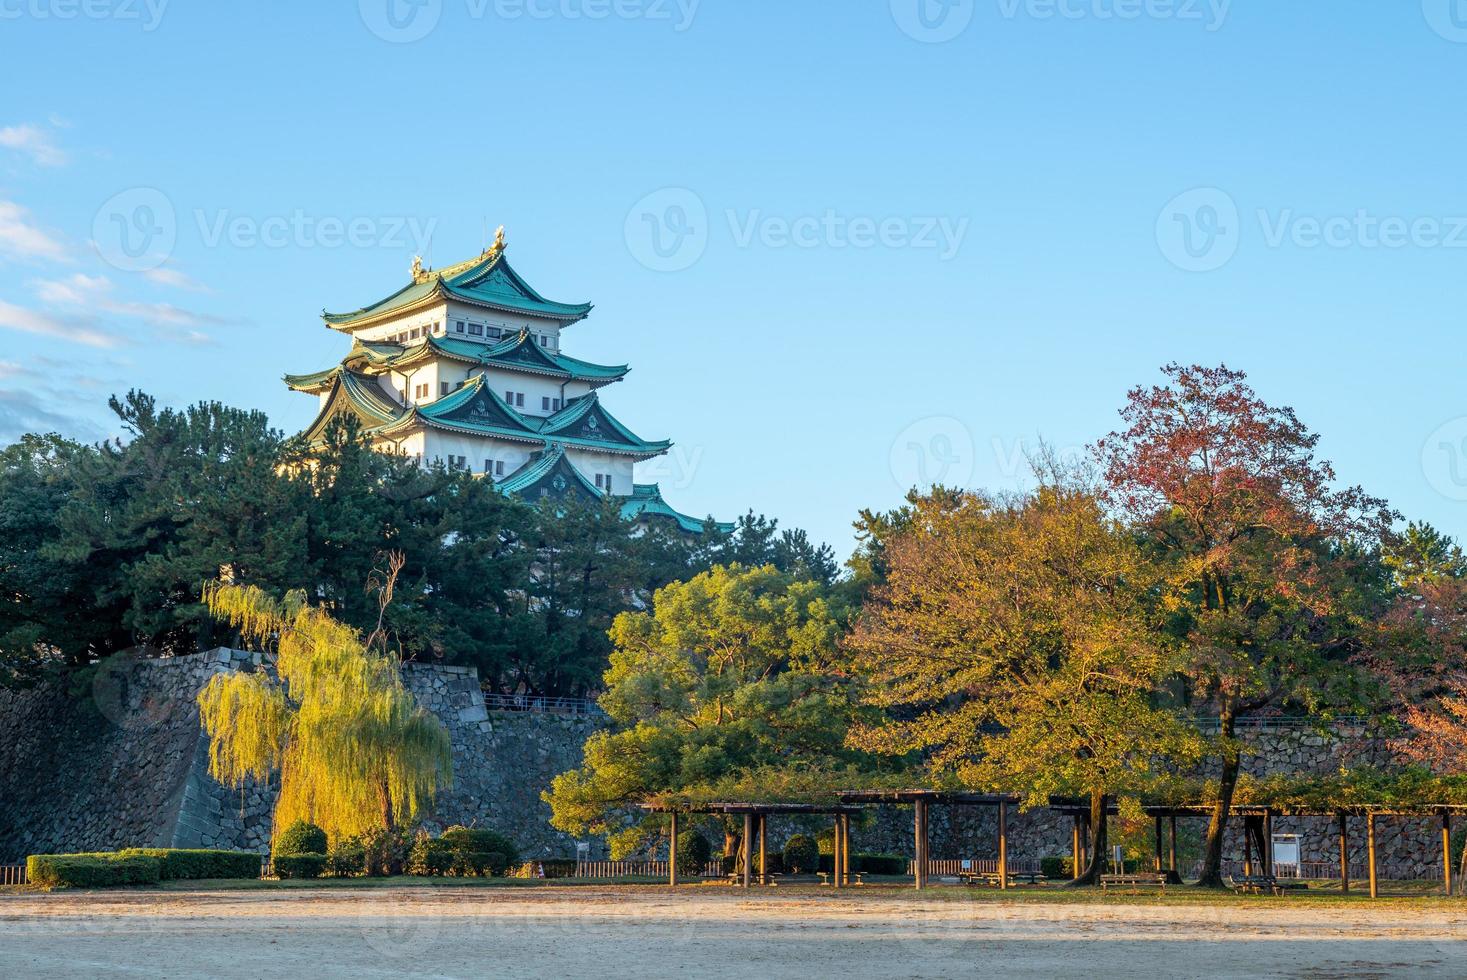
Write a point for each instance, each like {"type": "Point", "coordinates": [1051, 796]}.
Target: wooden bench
{"type": "Point", "coordinates": [1256, 884]}
{"type": "Point", "coordinates": [1147, 879]}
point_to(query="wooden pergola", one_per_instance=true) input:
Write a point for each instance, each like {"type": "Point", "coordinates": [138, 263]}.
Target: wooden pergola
{"type": "Point", "coordinates": [920, 800]}
{"type": "Point", "coordinates": [1258, 832]}
{"type": "Point", "coordinates": [756, 817]}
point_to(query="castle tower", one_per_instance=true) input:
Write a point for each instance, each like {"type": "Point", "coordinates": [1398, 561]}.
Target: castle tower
{"type": "Point", "coordinates": [463, 366]}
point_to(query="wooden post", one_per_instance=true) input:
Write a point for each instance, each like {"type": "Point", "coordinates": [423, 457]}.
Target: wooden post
{"type": "Point", "coordinates": [845, 848]}
{"type": "Point", "coordinates": [672, 852]}
{"type": "Point", "coordinates": [1172, 850]}
{"type": "Point", "coordinates": [919, 862]}
{"type": "Point", "coordinates": [1247, 847]}
{"type": "Point", "coordinates": [1266, 845]}
{"type": "Point", "coordinates": [1447, 853]}
{"type": "Point", "coordinates": [1157, 866]}
{"type": "Point", "coordinates": [1003, 845]}
{"type": "Point", "coordinates": [1344, 819]}
{"type": "Point", "coordinates": [926, 843]}
{"type": "Point", "coordinates": [747, 848]}
{"type": "Point", "coordinates": [1370, 848]}
{"type": "Point", "coordinates": [1075, 846]}
{"type": "Point", "coordinates": [763, 861]}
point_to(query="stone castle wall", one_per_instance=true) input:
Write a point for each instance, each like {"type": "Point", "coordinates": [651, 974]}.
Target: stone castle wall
{"type": "Point", "coordinates": [129, 767]}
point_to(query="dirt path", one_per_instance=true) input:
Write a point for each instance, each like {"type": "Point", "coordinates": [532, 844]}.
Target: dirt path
{"type": "Point", "coordinates": [706, 932]}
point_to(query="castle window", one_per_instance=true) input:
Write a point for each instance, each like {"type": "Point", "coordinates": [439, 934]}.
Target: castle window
{"type": "Point", "coordinates": [414, 334]}
{"type": "Point", "coordinates": [544, 341]}
{"type": "Point", "coordinates": [495, 332]}
{"type": "Point", "coordinates": [545, 404]}
{"type": "Point", "coordinates": [514, 399]}
{"type": "Point", "coordinates": [458, 326]}
{"type": "Point", "coordinates": [442, 388]}
{"type": "Point", "coordinates": [477, 329]}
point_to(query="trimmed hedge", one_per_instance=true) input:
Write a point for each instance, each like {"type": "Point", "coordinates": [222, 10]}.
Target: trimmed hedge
{"type": "Point", "coordinates": [1055, 867]}
{"type": "Point", "coordinates": [693, 853]}
{"type": "Point", "coordinates": [471, 840]}
{"type": "Point", "coordinates": [92, 870]}
{"type": "Point", "coordinates": [300, 865]}
{"type": "Point", "coordinates": [879, 864]}
{"type": "Point", "coordinates": [191, 865]}
{"type": "Point", "coordinates": [300, 838]}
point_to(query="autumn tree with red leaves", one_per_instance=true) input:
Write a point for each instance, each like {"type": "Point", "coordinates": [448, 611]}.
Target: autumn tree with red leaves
{"type": "Point", "coordinates": [1263, 557]}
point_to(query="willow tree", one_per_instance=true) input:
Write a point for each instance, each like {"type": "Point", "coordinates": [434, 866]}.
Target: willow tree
{"type": "Point", "coordinates": [1011, 645]}
{"type": "Point", "coordinates": [354, 751]}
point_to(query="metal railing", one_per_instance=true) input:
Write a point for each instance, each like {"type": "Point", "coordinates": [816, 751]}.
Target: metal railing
{"type": "Point", "coordinates": [1284, 723]}
{"type": "Point", "coordinates": [982, 866]}
{"type": "Point", "coordinates": [494, 701]}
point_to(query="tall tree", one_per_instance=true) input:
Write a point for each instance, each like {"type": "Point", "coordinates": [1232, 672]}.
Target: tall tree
{"type": "Point", "coordinates": [1264, 556]}
{"type": "Point", "coordinates": [726, 677]}
{"type": "Point", "coordinates": [354, 751]}
{"type": "Point", "coordinates": [1011, 645]}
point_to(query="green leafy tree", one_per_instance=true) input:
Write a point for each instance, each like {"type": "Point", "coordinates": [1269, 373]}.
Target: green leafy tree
{"type": "Point", "coordinates": [1010, 643]}
{"type": "Point", "coordinates": [721, 688]}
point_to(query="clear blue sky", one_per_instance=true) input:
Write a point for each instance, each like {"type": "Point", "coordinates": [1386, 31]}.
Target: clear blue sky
{"type": "Point", "coordinates": [1051, 138]}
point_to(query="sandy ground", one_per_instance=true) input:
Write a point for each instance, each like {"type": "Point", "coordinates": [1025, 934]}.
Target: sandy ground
{"type": "Point", "coordinates": [705, 932]}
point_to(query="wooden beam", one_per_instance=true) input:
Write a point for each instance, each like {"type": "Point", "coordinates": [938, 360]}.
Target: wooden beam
{"type": "Point", "coordinates": [1266, 826]}
{"type": "Point", "coordinates": [1370, 847]}
{"type": "Point", "coordinates": [1247, 847]}
{"type": "Point", "coordinates": [835, 854]}
{"type": "Point", "coordinates": [845, 848]}
{"type": "Point", "coordinates": [672, 852]}
{"type": "Point", "coordinates": [1157, 866]}
{"type": "Point", "coordinates": [1447, 853]}
{"type": "Point", "coordinates": [1172, 850]}
{"type": "Point", "coordinates": [1344, 819]}
{"type": "Point", "coordinates": [1003, 846]}
{"type": "Point", "coordinates": [748, 847]}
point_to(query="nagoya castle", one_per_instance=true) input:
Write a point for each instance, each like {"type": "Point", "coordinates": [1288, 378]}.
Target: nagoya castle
{"type": "Point", "coordinates": [463, 366]}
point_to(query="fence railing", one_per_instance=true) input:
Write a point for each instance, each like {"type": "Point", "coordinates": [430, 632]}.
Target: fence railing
{"type": "Point", "coordinates": [636, 869]}
{"type": "Point", "coordinates": [1265, 723]}
{"type": "Point", "coordinates": [494, 701]}
{"type": "Point", "coordinates": [12, 874]}
{"type": "Point", "coordinates": [982, 866]}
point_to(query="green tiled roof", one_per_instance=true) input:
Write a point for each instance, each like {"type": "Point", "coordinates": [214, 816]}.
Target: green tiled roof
{"type": "Point", "coordinates": [487, 281]}
{"type": "Point", "coordinates": [646, 503]}
{"type": "Point", "coordinates": [549, 474]}
{"type": "Point", "coordinates": [313, 383]}
{"type": "Point", "coordinates": [517, 353]}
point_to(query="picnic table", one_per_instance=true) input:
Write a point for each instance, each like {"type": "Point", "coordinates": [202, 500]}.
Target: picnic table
{"type": "Point", "coordinates": [860, 876]}
{"type": "Point", "coordinates": [1146, 879]}
{"type": "Point", "coordinates": [1256, 884]}
{"type": "Point", "coordinates": [991, 877]}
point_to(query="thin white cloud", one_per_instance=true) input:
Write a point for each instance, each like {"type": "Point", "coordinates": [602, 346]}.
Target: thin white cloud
{"type": "Point", "coordinates": [164, 276]}
{"type": "Point", "coordinates": [14, 317]}
{"type": "Point", "coordinates": [33, 141]}
{"type": "Point", "coordinates": [95, 293]}
{"type": "Point", "coordinates": [21, 238]}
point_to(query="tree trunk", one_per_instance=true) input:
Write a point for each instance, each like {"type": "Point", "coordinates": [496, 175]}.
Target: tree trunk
{"type": "Point", "coordinates": [1098, 842]}
{"type": "Point", "coordinates": [1218, 825]}
{"type": "Point", "coordinates": [1461, 882]}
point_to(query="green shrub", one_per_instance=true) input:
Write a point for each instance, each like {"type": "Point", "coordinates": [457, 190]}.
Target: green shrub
{"type": "Point", "coordinates": [429, 856]}
{"type": "Point", "coordinates": [879, 864]}
{"type": "Point", "coordinates": [801, 854]}
{"type": "Point", "coordinates": [496, 863]}
{"type": "Point", "coordinates": [1055, 867]}
{"type": "Point", "coordinates": [178, 864]}
{"type": "Point", "coordinates": [384, 852]}
{"type": "Point", "coordinates": [347, 859]}
{"type": "Point", "coordinates": [299, 865]}
{"type": "Point", "coordinates": [92, 870]}
{"type": "Point", "coordinates": [300, 838]}
{"type": "Point", "coordinates": [693, 853]}
{"type": "Point", "coordinates": [474, 839]}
